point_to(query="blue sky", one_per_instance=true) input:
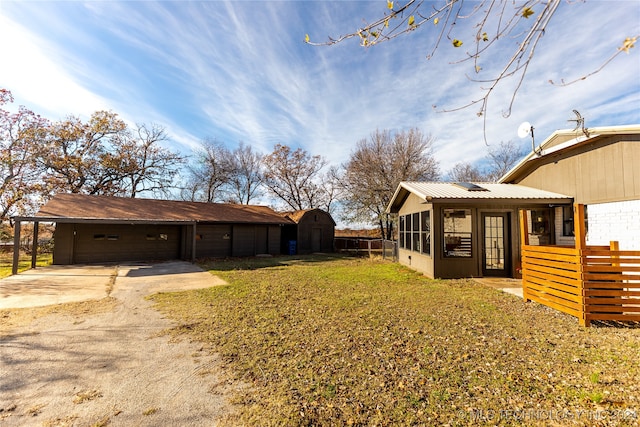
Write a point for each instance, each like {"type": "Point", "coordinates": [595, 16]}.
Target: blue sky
{"type": "Point", "coordinates": [240, 71]}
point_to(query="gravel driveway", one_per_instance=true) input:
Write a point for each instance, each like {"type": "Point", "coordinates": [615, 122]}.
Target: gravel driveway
{"type": "Point", "coordinates": [113, 368]}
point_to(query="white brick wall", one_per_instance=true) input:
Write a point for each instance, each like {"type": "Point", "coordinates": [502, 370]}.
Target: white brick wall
{"type": "Point", "coordinates": [615, 221]}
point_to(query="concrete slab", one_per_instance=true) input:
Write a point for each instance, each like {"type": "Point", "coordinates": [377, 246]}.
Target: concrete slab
{"type": "Point", "coordinates": [71, 283]}
{"type": "Point", "coordinates": [56, 284]}
{"type": "Point", "coordinates": [510, 286]}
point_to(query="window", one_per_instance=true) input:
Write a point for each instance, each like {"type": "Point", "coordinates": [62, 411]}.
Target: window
{"type": "Point", "coordinates": [567, 220]}
{"type": "Point", "coordinates": [415, 238]}
{"type": "Point", "coordinates": [415, 232]}
{"type": "Point", "coordinates": [425, 231]}
{"type": "Point", "coordinates": [457, 233]}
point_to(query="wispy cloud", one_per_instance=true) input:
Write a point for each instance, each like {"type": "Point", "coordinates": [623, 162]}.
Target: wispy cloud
{"type": "Point", "coordinates": [239, 71]}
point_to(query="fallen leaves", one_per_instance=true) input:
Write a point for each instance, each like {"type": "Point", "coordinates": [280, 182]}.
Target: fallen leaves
{"type": "Point", "coordinates": [353, 341]}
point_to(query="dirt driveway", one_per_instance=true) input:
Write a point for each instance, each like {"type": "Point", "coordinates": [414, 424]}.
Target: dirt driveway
{"type": "Point", "coordinates": [114, 367]}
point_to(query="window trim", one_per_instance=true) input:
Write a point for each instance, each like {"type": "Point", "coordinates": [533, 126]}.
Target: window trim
{"type": "Point", "coordinates": [412, 235]}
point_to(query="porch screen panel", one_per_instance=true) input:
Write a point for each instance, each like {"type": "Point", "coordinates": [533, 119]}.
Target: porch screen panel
{"type": "Point", "coordinates": [416, 231]}
{"type": "Point", "coordinates": [425, 232]}
{"type": "Point", "coordinates": [402, 229]}
{"type": "Point", "coordinates": [457, 233]}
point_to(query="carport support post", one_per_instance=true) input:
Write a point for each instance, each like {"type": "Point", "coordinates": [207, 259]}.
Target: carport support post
{"type": "Point", "coordinates": [34, 249]}
{"type": "Point", "coordinates": [16, 247]}
{"type": "Point", "coordinates": [193, 243]}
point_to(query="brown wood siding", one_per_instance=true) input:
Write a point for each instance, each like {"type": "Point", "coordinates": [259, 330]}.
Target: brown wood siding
{"type": "Point", "coordinates": [316, 231]}
{"type": "Point", "coordinates": [112, 243]}
{"type": "Point", "coordinates": [262, 234]}
{"type": "Point", "coordinates": [214, 241]}
{"type": "Point", "coordinates": [63, 246]}
{"type": "Point", "coordinates": [597, 173]}
{"type": "Point", "coordinates": [243, 240]}
{"type": "Point", "coordinates": [274, 239]}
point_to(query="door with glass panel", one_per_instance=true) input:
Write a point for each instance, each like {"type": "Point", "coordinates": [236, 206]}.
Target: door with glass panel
{"type": "Point", "coordinates": [496, 257]}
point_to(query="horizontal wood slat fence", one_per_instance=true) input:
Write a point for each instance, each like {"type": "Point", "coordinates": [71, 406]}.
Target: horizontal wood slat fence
{"type": "Point", "coordinates": [588, 282]}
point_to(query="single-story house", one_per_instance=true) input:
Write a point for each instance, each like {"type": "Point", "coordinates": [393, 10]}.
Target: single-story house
{"type": "Point", "coordinates": [93, 229]}
{"type": "Point", "coordinates": [454, 230]}
{"type": "Point", "coordinates": [599, 168]}
{"type": "Point", "coordinates": [314, 231]}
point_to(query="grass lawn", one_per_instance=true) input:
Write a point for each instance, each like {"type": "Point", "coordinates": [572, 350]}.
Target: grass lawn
{"type": "Point", "coordinates": [24, 263]}
{"type": "Point", "coordinates": [350, 341]}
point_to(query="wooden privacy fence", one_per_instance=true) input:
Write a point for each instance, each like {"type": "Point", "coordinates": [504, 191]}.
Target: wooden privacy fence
{"type": "Point", "coordinates": [588, 282]}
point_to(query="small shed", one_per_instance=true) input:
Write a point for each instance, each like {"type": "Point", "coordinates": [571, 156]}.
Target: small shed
{"type": "Point", "coordinates": [457, 230]}
{"type": "Point", "coordinates": [92, 229]}
{"type": "Point", "coordinates": [314, 231]}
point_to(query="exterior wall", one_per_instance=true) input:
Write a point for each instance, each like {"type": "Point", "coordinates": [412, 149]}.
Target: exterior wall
{"type": "Point", "coordinates": [415, 260]}
{"type": "Point", "coordinates": [618, 221]}
{"type": "Point", "coordinates": [452, 268]}
{"type": "Point", "coordinates": [251, 240]}
{"type": "Point", "coordinates": [438, 265]}
{"type": "Point", "coordinates": [274, 239]}
{"type": "Point", "coordinates": [316, 231]}
{"type": "Point", "coordinates": [601, 172]}
{"type": "Point", "coordinates": [90, 243]}
{"type": "Point", "coordinates": [213, 241]}
{"type": "Point", "coordinates": [94, 243]}
{"type": "Point", "coordinates": [63, 244]}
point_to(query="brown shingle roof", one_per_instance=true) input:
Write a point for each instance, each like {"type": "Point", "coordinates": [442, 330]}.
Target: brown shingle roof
{"type": "Point", "coordinates": [86, 207]}
{"type": "Point", "coordinates": [296, 216]}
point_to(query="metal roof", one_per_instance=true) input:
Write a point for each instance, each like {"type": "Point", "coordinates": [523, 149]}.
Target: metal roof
{"type": "Point", "coordinates": [430, 191]}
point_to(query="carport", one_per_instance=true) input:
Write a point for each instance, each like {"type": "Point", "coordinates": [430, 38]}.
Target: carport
{"type": "Point", "coordinates": [95, 229]}
{"type": "Point", "coordinates": [79, 249]}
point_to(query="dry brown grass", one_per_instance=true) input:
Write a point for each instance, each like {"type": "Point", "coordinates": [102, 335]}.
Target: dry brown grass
{"type": "Point", "coordinates": [11, 319]}
{"type": "Point", "coordinates": [341, 341]}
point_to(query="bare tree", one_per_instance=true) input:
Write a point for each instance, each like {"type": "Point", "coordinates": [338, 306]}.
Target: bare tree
{"type": "Point", "coordinates": [209, 174]}
{"type": "Point", "coordinates": [497, 27]}
{"type": "Point", "coordinates": [466, 172]}
{"type": "Point", "coordinates": [292, 176]}
{"type": "Point", "coordinates": [498, 161]}
{"type": "Point", "coordinates": [502, 158]}
{"type": "Point", "coordinates": [145, 165]}
{"type": "Point", "coordinates": [246, 174]}
{"type": "Point", "coordinates": [375, 169]}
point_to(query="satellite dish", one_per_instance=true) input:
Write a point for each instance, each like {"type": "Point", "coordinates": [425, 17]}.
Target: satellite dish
{"type": "Point", "coordinates": [525, 129]}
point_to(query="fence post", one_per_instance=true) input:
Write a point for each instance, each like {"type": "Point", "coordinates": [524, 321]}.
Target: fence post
{"type": "Point", "coordinates": [581, 244]}
{"type": "Point", "coordinates": [524, 241]}
{"type": "Point", "coordinates": [614, 246]}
